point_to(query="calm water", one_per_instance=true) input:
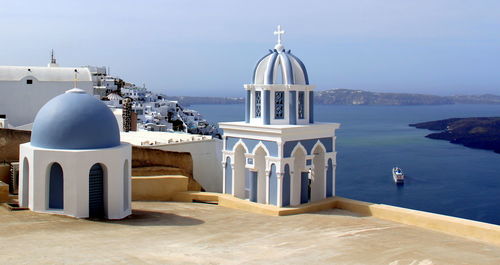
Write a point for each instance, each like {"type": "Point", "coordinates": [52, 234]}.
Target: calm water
{"type": "Point", "coordinates": [440, 177]}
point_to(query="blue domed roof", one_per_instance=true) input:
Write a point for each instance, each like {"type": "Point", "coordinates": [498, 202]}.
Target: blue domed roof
{"type": "Point", "coordinates": [280, 62]}
{"type": "Point", "coordinates": [75, 120]}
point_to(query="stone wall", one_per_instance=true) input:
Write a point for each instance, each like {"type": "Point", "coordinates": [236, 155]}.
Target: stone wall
{"type": "Point", "coordinates": [207, 157]}
{"type": "Point", "coordinates": [154, 162]}
{"type": "Point", "coordinates": [158, 188]}
{"type": "Point", "coordinates": [10, 141]}
{"type": "Point", "coordinates": [146, 157]}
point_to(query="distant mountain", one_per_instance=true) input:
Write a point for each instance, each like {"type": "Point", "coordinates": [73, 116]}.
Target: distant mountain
{"type": "Point", "coordinates": [342, 96]}
{"type": "Point", "coordinates": [476, 99]}
{"type": "Point", "coordinates": [360, 97]}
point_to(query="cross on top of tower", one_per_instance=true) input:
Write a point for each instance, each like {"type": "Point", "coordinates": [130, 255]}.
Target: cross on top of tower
{"type": "Point", "coordinates": [279, 32]}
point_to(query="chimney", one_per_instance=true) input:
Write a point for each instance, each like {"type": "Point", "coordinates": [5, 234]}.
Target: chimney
{"type": "Point", "coordinates": [127, 114]}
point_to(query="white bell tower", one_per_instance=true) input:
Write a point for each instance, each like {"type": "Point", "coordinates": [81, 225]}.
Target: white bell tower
{"type": "Point", "coordinates": [279, 155]}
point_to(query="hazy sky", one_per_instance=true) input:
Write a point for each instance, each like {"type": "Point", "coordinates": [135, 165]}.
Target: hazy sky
{"type": "Point", "coordinates": [211, 47]}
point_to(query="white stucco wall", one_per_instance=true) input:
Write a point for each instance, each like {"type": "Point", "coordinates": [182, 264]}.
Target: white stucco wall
{"type": "Point", "coordinates": [76, 164]}
{"type": "Point", "coordinates": [21, 101]}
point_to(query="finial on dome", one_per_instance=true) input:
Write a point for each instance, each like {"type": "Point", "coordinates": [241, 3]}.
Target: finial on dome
{"type": "Point", "coordinates": [279, 32]}
{"type": "Point", "coordinates": [75, 81]}
{"type": "Point", "coordinates": [52, 58]}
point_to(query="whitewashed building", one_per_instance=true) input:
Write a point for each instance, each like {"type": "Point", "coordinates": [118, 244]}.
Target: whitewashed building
{"type": "Point", "coordinates": [279, 155]}
{"type": "Point", "coordinates": [75, 163]}
{"type": "Point", "coordinates": [25, 89]}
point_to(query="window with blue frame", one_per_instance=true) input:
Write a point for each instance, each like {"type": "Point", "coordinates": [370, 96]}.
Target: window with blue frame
{"type": "Point", "coordinates": [257, 104]}
{"type": "Point", "coordinates": [301, 105]}
{"type": "Point", "coordinates": [279, 105]}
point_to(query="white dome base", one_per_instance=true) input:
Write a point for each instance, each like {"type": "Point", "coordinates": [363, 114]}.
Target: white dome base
{"type": "Point", "coordinates": [35, 171]}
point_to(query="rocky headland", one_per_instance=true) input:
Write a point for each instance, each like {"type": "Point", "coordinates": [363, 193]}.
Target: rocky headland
{"type": "Point", "coordinates": [479, 132]}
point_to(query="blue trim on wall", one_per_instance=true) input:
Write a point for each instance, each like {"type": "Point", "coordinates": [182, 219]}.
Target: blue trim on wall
{"type": "Point", "coordinates": [247, 103]}
{"type": "Point", "coordinates": [268, 78]}
{"type": "Point", "coordinates": [253, 186]}
{"type": "Point", "coordinates": [229, 176]}
{"type": "Point", "coordinates": [273, 186]}
{"type": "Point", "coordinates": [308, 145]}
{"type": "Point", "coordinates": [292, 114]}
{"type": "Point", "coordinates": [271, 146]}
{"type": "Point", "coordinates": [267, 106]}
{"type": "Point", "coordinates": [329, 179]}
{"type": "Point", "coordinates": [311, 106]}
{"type": "Point", "coordinates": [286, 187]}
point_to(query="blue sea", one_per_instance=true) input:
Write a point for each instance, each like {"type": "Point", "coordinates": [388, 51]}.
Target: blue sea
{"type": "Point", "coordinates": [441, 177]}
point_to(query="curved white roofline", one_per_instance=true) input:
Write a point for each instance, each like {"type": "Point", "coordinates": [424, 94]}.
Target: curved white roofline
{"type": "Point", "coordinates": [40, 73]}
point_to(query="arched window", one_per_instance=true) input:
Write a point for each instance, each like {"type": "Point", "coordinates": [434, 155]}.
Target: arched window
{"type": "Point", "coordinates": [279, 105]}
{"type": "Point", "coordinates": [96, 191]}
{"type": "Point", "coordinates": [301, 103]}
{"type": "Point", "coordinates": [329, 179]}
{"type": "Point", "coordinates": [286, 186]}
{"type": "Point", "coordinates": [56, 187]}
{"type": "Point", "coordinates": [258, 104]}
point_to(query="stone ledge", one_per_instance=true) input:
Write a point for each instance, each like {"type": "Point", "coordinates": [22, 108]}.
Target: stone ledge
{"type": "Point", "coordinates": [447, 224]}
{"type": "Point", "coordinates": [190, 196]}
{"type": "Point", "coordinates": [475, 230]}
{"type": "Point", "coordinates": [158, 188]}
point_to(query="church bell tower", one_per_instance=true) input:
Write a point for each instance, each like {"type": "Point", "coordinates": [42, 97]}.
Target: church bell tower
{"type": "Point", "coordinates": [279, 155]}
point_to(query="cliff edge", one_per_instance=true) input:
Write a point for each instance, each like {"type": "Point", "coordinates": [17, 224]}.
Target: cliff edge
{"type": "Point", "coordinates": [479, 132]}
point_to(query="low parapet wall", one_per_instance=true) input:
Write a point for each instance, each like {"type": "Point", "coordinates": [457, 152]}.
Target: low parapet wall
{"type": "Point", "coordinates": [158, 188]}
{"type": "Point", "coordinates": [447, 224]}
{"type": "Point", "coordinates": [442, 223]}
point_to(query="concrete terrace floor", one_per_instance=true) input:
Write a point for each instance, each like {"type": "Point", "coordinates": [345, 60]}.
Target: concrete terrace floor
{"type": "Point", "coordinates": [190, 233]}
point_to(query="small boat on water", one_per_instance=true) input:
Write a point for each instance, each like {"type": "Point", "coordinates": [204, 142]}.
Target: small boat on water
{"type": "Point", "coordinates": [397, 174]}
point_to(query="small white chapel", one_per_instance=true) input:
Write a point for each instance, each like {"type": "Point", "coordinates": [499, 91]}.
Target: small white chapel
{"type": "Point", "coordinates": [279, 155]}
{"type": "Point", "coordinates": [75, 163]}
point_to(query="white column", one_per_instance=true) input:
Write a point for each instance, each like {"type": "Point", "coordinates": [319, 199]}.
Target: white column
{"type": "Point", "coordinates": [279, 176]}
{"type": "Point", "coordinates": [233, 178]}
{"type": "Point", "coordinates": [224, 177]}
{"type": "Point", "coordinates": [267, 185]}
